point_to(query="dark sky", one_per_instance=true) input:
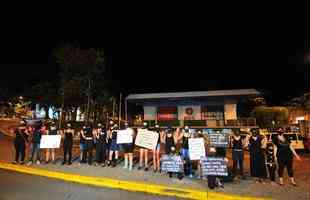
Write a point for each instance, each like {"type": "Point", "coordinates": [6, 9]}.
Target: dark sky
{"type": "Point", "coordinates": [171, 55]}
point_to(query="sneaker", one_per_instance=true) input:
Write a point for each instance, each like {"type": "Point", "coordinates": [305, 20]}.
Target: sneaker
{"type": "Point", "coordinates": [29, 163]}
{"type": "Point", "coordinates": [103, 165]}
{"type": "Point", "coordinates": [146, 169]}
{"type": "Point", "coordinates": [69, 163]}
{"type": "Point", "coordinates": [14, 162]}
{"type": "Point", "coordinates": [191, 176]}
{"type": "Point", "coordinates": [109, 163]}
{"type": "Point", "coordinates": [38, 162]}
{"type": "Point", "coordinates": [21, 163]}
{"type": "Point", "coordinates": [63, 163]}
{"type": "Point", "coordinates": [96, 164]}
{"type": "Point", "coordinates": [139, 167]}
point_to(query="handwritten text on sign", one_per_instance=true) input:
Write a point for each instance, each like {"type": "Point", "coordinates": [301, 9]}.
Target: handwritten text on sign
{"type": "Point", "coordinates": [124, 136]}
{"type": "Point", "coordinates": [171, 163]}
{"type": "Point", "coordinates": [147, 139]}
{"type": "Point", "coordinates": [50, 141]}
{"type": "Point", "coordinates": [218, 140]}
{"type": "Point", "coordinates": [214, 166]}
{"type": "Point", "coordinates": [196, 148]}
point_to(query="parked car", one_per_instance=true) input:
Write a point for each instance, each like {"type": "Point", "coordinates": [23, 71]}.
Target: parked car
{"type": "Point", "coordinates": [307, 143]}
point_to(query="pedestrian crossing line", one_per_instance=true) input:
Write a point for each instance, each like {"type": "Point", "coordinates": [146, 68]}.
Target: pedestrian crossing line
{"type": "Point", "coordinates": [143, 187]}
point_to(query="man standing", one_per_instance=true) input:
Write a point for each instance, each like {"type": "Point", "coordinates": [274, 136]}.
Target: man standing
{"type": "Point", "coordinates": [21, 138]}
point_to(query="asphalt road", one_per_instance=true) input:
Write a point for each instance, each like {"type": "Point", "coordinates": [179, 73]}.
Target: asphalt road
{"type": "Point", "coordinates": [14, 186]}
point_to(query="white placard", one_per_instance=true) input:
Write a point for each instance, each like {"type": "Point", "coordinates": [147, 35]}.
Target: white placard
{"type": "Point", "coordinates": [50, 141]}
{"type": "Point", "coordinates": [196, 147]}
{"type": "Point", "coordinates": [124, 136]}
{"type": "Point", "coordinates": [147, 139]}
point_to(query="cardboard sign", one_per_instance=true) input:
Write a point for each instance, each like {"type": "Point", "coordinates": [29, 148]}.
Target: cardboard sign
{"type": "Point", "coordinates": [214, 166]}
{"type": "Point", "coordinates": [196, 148]}
{"type": "Point", "coordinates": [218, 139]}
{"type": "Point", "coordinates": [124, 136]}
{"type": "Point", "coordinates": [50, 141]}
{"type": "Point", "coordinates": [171, 163]}
{"type": "Point", "coordinates": [147, 139]}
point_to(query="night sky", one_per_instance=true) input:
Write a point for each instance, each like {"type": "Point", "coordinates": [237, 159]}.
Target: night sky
{"type": "Point", "coordinates": [170, 55]}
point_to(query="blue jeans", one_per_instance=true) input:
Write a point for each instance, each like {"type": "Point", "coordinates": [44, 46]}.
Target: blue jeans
{"type": "Point", "coordinates": [188, 163]}
{"type": "Point", "coordinates": [35, 151]}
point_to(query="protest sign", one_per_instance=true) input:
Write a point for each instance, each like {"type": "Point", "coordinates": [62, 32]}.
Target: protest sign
{"type": "Point", "coordinates": [196, 148]}
{"type": "Point", "coordinates": [147, 139]}
{"type": "Point", "coordinates": [124, 136]}
{"type": "Point", "coordinates": [171, 163]}
{"type": "Point", "coordinates": [214, 166]}
{"type": "Point", "coordinates": [218, 139]}
{"type": "Point", "coordinates": [50, 141]}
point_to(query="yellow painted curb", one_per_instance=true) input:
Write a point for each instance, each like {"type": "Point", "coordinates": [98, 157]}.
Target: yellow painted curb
{"type": "Point", "coordinates": [126, 185]}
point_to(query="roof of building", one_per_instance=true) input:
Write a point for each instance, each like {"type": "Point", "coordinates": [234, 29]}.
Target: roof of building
{"type": "Point", "coordinates": [214, 93]}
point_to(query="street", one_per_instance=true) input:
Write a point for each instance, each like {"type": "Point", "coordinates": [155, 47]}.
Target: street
{"type": "Point", "coordinates": [15, 186]}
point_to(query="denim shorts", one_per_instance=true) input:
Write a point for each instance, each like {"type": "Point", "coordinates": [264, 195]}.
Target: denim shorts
{"type": "Point", "coordinates": [82, 146]}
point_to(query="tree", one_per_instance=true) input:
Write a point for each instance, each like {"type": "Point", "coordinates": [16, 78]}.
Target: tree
{"type": "Point", "coordinates": [270, 117]}
{"type": "Point", "coordinates": [82, 77]}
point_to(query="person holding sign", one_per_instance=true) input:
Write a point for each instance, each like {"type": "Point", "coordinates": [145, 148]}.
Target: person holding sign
{"type": "Point", "coordinates": [114, 148]}
{"type": "Point", "coordinates": [184, 136]}
{"type": "Point", "coordinates": [68, 143]}
{"type": "Point", "coordinates": [51, 131]}
{"type": "Point", "coordinates": [156, 151]}
{"type": "Point", "coordinates": [101, 137]}
{"type": "Point", "coordinates": [143, 153]}
{"type": "Point", "coordinates": [128, 149]}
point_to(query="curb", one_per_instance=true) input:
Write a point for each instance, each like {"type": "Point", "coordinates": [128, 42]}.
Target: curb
{"type": "Point", "coordinates": [132, 186]}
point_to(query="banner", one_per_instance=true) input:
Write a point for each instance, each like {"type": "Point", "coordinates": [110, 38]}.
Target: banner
{"type": "Point", "coordinates": [167, 113]}
{"type": "Point", "coordinates": [196, 147]}
{"type": "Point", "coordinates": [171, 163]}
{"type": "Point", "coordinates": [149, 112]}
{"type": "Point", "coordinates": [230, 111]}
{"type": "Point", "coordinates": [50, 141]}
{"type": "Point", "coordinates": [124, 136]}
{"type": "Point", "coordinates": [189, 112]}
{"type": "Point", "coordinates": [147, 139]}
{"type": "Point", "coordinates": [218, 139]}
{"type": "Point", "coordinates": [214, 166]}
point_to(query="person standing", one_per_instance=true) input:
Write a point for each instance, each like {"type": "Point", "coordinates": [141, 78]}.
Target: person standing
{"type": "Point", "coordinates": [35, 152]}
{"type": "Point", "coordinates": [67, 144]}
{"type": "Point", "coordinates": [101, 144]}
{"type": "Point", "coordinates": [156, 151]}
{"type": "Point", "coordinates": [170, 140]}
{"type": "Point", "coordinates": [51, 131]}
{"type": "Point", "coordinates": [238, 144]}
{"type": "Point", "coordinates": [285, 155]}
{"type": "Point", "coordinates": [114, 148]}
{"type": "Point", "coordinates": [143, 152]}
{"type": "Point", "coordinates": [184, 136]}
{"type": "Point", "coordinates": [21, 138]}
{"type": "Point", "coordinates": [271, 162]}
{"type": "Point", "coordinates": [128, 149]}
{"type": "Point", "coordinates": [257, 156]}
{"type": "Point", "coordinates": [87, 134]}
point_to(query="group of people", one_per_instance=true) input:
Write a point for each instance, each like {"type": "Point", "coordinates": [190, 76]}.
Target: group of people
{"type": "Point", "coordinates": [265, 156]}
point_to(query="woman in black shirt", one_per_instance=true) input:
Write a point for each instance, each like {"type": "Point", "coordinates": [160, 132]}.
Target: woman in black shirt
{"type": "Point", "coordinates": [285, 154]}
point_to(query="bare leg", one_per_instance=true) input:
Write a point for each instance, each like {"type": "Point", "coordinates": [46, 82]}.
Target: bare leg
{"type": "Point", "coordinates": [53, 155]}
{"type": "Point", "coordinates": [157, 160]}
{"type": "Point", "coordinates": [154, 160]}
{"type": "Point", "coordinates": [130, 161]}
{"type": "Point", "coordinates": [146, 158]}
{"type": "Point", "coordinates": [141, 157]}
{"type": "Point", "coordinates": [47, 155]}
{"type": "Point", "coordinates": [126, 161]}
